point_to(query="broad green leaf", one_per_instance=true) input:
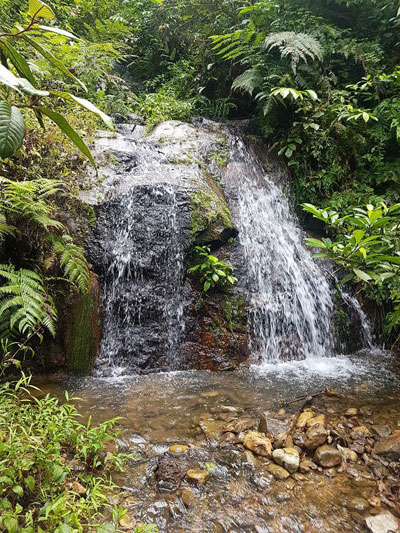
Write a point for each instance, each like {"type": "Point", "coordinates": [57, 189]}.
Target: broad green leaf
{"type": "Point", "coordinates": [62, 123]}
{"type": "Point", "coordinates": [28, 88]}
{"type": "Point", "coordinates": [59, 31]}
{"type": "Point", "coordinates": [39, 9]}
{"type": "Point", "coordinates": [30, 482]}
{"type": "Point", "coordinates": [12, 129]}
{"type": "Point", "coordinates": [358, 235]}
{"type": "Point", "coordinates": [362, 275]}
{"type": "Point", "coordinates": [395, 260]}
{"type": "Point", "coordinates": [19, 491]}
{"type": "Point", "coordinates": [59, 65]}
{"type": "Point", "coordinates": [207, 285]}
{"type": "Point", "coordinates": [313, 95]}
{"type": "Point", "coordinates": [18, 61]}
{"type": "Point", "coordinates": [8, 78]}
{"type": "Point", "coordinates": [87, 105]}
{"type": "Point", "coordinates": [315, 243]}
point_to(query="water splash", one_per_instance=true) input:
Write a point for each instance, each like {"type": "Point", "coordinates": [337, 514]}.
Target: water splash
{"type": "Point", "coordinates": [291, 303]}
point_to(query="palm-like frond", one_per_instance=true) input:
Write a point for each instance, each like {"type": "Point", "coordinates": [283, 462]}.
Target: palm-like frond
{"type": "Point", "coordinates": [296, 46]}
{"type": "Point", "coordinates": [25, 306]}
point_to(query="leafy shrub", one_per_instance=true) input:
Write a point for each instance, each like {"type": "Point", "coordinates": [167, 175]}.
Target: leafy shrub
{"type": "Point", "coordinates": [164, 105]}
{"type": "Point", "coordinates": [55, 472]}
{"type": "Point", "coordinates": [212, 271]}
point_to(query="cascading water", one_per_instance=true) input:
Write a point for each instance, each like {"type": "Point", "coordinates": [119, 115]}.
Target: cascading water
{"type": "Point", "coordinates": [291, 304]}
{"type": "Point", "coordinates": [143, 266]}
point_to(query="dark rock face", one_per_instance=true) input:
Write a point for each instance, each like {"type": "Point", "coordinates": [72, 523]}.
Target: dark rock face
{"type": "Point", "coordinates": [155, 203]}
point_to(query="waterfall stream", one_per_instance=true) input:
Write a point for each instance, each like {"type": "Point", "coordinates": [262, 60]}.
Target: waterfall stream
{"type": "Point", "coordinates": [291, 303]}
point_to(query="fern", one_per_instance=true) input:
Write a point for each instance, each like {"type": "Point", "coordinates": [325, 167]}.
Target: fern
{"type": "Point", "coordinates": [25, 307]}
{"type": "Point", "coordinates": [5, 229]}
{"type": "Point", "coordinates": [72, 261]}
{"type": "Point", "coordinates": [248, 81]}
{"type": "Point", "coordinates": [297, 46]}
{"type": "Point", "coordinates": [29, 199]}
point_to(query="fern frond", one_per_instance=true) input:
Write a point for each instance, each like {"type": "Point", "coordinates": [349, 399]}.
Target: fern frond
{"type": "Point", "coordinates": [296, 46]}
{"type": "Point", "coordinates": [24, 305]}
{"type": "Point", "coordinates": [72, 261]}
{"type": "Point", "coordinates": [248, 81]}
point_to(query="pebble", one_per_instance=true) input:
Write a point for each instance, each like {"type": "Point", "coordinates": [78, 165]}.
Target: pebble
{"type": "Point", "coordinates": [178, 449]}
{"type": "Point", "coordinates": [278, 472]}
{"type": "Point", "coordinates": [198, 475]}
{"type": "Point", "coordinates": [351, 411]}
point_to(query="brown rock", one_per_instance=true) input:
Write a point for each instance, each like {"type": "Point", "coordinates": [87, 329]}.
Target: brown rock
{"type": "Point", "coordinates": [352, 411]}
{"type": "Point", "coordinates": [304, 416]}
{"type": "Point", "coordinates": [198, 475]}
{"type": "Point", "coordinates": [316, 436]}
{"type": "Point", "coordinates": [187, 496]}
{"type": "Point", "coordinates": [327, 456]}
{"type": "Point", "coordinates": [178, 449]}
{"type": "Point", "coordinates": [306, 465]}
{"type": "Point", "coordinates": [359, 432]}
{"type": "Point", "coordinates": [258, 443]}
{"type": "Point", "coordinates": [383, 432]}
{"type": "Point", "coordinates": [78, 488]}
{"type": "Point", "coordinates": [390, 447]}
{"type": "Point", "coordinates": [357, 446]}
{"type": "Point", "coordinates": [349, 456]}
{"type": "Point", "coordinates": [278, 472]}
{"type": "Point", "coordinates": [320, 419]}
{"type": "Point", "coordinates": [299, 439]}
{"type": "Point", "coordinates": [241, 424]}
{"type": "Point", "coordinates": [382, 523]}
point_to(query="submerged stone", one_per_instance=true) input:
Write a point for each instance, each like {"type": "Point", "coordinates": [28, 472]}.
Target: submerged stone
{"type": "Point", "coordinates": [390, 447]}
{"type": "Point", "coordinates": [178, 449]}
{"type": "Point", "coordinates": [198, 475]}
{"type": "Point", "coordinates": [278, 472]}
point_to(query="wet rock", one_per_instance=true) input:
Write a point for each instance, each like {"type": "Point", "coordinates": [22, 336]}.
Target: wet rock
{"type": "Point", "coordinates": [351, 411]}
{"type": "Point", "coordinates": [304, 416]}
{"type": "Point", "coordinates": [250, 458]}
{"type": "Point", "coordinates": [198, 475]}
{"type": "Point", "coordinates": [280, 440]}
{"type": "Point", "coordinates": [389, 448]}
{"type": "Point", "coordinates": [281, 412]}
{"type": "Point", "coordinates": [228, 439]}
{"type": "Point", "coordinates": [330, 472]}
{"type": "Point", "coordinates": [381, 431]}
{"type": "Point", "coordinates": [178, 449]}
{"type": "Point", "coordinates": [258, 443]}
{"type": "Point", "coordinates": [306, 465]}
{"type": "Point", "coordinates": [188, 497]}
{"type": "Point", "coordinates": [298, 476]}
{"type": "Point", "coordinates": [270, 424]}
{"type": "Point", "coordinates": [358, 446]}
{"type": "Point", "coordinates": [320, 419]}
{"type": "Point", "coordinates": [288, 458]}
{"type": "Point", "coordinates": [316, 436]}
{"type": "Point", "coordinates": [350, 456]}
{"type": "Point", "coordinates": [299, 439]}
{"type": "Point", "coordinates": [169, 474]}
{"type": "Point", "coordinates": [278, 472]}
{"type": "Point", "coordinates": [332, 392]}
{"type": "Point", "coordinates": [358, 504]}
{"type": "Point", "coordinates": [382, 523]}
{"type": "Point", "coordinates": [359, 432]}
{"type": "Point", "coordinates": [327, 456]}
{"type": "Point", "coordinates": [241, 424]}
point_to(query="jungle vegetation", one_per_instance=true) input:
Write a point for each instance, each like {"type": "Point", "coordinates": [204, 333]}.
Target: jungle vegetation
{"type": "Point", "coordinates": [317, 80]}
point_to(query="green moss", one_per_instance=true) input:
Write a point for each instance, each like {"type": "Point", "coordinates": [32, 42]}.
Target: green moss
{"type": "Point", "coordinates": [235, 313]}
{"type": "Point", "coordinates": [221, 153]}
{"type": "Point", "coordinates": [84, 331]}
{"type": "Point", "coordinates": [210, 214]}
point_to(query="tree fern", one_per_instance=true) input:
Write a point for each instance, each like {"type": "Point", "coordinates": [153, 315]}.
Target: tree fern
{"type": "Point", "coordinates": [297, 46]}
{"type": "Point", "coordinates": [25, 307]}
{"type": "Point", "coordinates": [72, 261]}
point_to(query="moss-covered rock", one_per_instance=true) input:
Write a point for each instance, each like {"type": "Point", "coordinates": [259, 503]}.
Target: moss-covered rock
{"type": "Point", "coordinates": [210, 216]}
{"type": "Point", "coordinates": [83, 330]}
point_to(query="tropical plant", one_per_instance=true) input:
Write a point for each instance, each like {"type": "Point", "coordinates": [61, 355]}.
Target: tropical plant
{"type": "Point", "coordinates": [366, 247]}
{"type": "Point", "coordinates": [212, 271]}
{"type": "Point", "coordinates": [22, 89]}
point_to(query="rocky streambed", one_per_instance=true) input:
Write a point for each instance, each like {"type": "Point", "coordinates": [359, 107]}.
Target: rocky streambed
{"type": "Point", "coordinates": [220, 452]}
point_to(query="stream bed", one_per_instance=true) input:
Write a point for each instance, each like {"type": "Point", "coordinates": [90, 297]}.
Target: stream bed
{"type": "Point", "coordinates": [194, 408]}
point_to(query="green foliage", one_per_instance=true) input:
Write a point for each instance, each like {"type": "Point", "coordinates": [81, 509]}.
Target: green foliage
{"type": "Point", "coordinates": [25, 307]}
{"type": "Point", "coordinates": [72, 261]}
{"type": "Point", "coordinates": [211, 271]}
{"type": "Point", "coordinates": [55, 473]}
{"type": "Point", "coordinates": [367, 246]}
{"type": "Point", "coordinates": [20, 86]}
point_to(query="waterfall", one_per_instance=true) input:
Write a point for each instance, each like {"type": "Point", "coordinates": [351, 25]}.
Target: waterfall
{"type": "Point", "coordinates": [143, 275]}
{"type": "Point", "coordinates": [291, 304]}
